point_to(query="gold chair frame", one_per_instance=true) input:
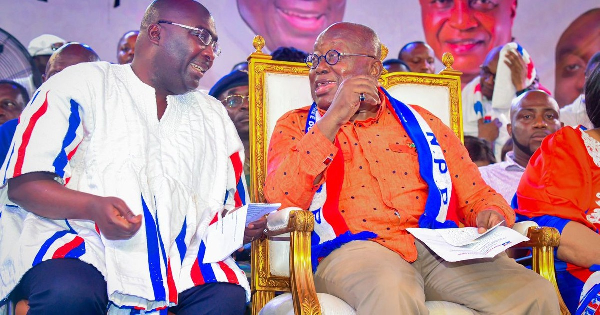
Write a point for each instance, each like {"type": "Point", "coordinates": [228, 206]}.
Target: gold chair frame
{"type": "Point", "coordinates": [264, 285]}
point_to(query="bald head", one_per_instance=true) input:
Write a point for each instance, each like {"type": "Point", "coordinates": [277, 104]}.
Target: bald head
{"type": "Point", "coordinates": [534, 98]}
{"type": "Point", "coordinates": [68, 55]}
{"type": "Point", "coordinates": [360, 38]}
{"type": "Point", "coordinates": [170, 9]}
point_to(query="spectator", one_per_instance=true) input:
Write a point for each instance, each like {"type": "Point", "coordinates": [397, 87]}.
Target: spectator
{"type": "Point", "coordinates": [395, 65]}
{"type": "Point", "coordinates": [13, 98]}
{"type": "Point", "coordinates": [126, 47]}
{"type": "Point", "coordinates": [289, 54]}
{"type": "Point", "coordinates": [533, 116]}
{"type": "Point", "coordinates": [40, 49]}
{"type": "Point", "coordinates": [418, 56]}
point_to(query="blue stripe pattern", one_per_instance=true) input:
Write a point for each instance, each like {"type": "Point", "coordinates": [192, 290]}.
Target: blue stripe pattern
{"type": "Point", "coordinates": [44, 248]}
{"type": "Point", "coordinates": [153, 255]}
{"type": "Point", "coordinates": [207, 273]}
{"type": "Point", "coordinates": [7, 164]}
{"type": "Point", "coordinates": [433, 203]}
{"type": "Point", "coordinates": [76, 252]}
{"type": "Point", "coordinates": [180, 240]}
{"type": "Point", "coordinates": [241, 191]}
{"type": "Point", "coordinates": [160, 241]}
{"type": "Point", "coordinates": [74, 121]}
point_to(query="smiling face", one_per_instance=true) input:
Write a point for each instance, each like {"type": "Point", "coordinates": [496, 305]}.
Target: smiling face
{"type": "Point", "coordinates": [11, 102]}
{"type": "Point", "coordinates": [574, 49]}
{"type": "Point", "coordinates": [468, 29]}
{"type": "Point", "coordinates": [325, 79]}
{"type": "Point", "coordinates": [183, 58]}
{"type": "Point", "coordinates": [533, 118]}
{"type": "Point", "coordinates": [290, 23]}
{"type": "Point", "coordinates": [419, 57]}
{"type": "Point", "coordinates": [126, 47]}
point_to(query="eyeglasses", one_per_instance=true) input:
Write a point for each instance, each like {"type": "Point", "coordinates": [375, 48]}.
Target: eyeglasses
{"type": "Point", "coordinates": [203, 35]}
{"type": "Point", "coordinates": [233, 101]}
{"type": "Point", "coordinates": [485, 73]}
{"type": "Point", "coordinates": [331, 58]}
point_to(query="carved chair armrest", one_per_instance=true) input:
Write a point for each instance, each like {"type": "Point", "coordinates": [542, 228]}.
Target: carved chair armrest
{"type": "Point", "coordinates": [543, 240]}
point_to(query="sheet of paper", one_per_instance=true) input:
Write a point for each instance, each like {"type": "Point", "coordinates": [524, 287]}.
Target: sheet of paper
{"type": "Point", "coordinates": [486, 246]}
{"type": "Point", "coordinates": [257, 210]}
{"type": "Point", "coordinates": [463, 236]}
{"type": "Point", "coordinates": [225, 236]}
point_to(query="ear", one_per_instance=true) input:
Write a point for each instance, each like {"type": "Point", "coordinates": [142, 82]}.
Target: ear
{"type": "Point", "coordinates": [43, 77]}
{"type": "Point", "coordinates": [513, 9]}
{"type": "Point", "coordinates": [376, 69]}
{"type": "Point", "coordinates": [154, 33]}
{"type": "Point", "coordinates": [509, 129]}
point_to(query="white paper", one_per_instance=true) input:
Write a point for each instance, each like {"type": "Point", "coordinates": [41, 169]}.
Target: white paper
{"type": "Point", "coordinates": [227, 234]}
{"type": "Point", "coordinates": [257, 210]}
{"type": "Point", "coordinates": [486, 246]}
{"type": "Point", "coordinates": [463, 236]}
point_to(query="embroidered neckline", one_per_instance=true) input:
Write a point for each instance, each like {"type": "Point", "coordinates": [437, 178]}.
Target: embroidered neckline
{"type": "Point", "coordinates": [593, 147]}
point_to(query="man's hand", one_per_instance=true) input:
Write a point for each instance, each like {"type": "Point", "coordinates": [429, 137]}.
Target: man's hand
{"type": "Point", "coordinates": [518, 69]}
{"type": "Point", "coordinates": [488, 131]}
{"type": "Point", "coordinates": [255, 230]}
{"type": "Point", "coordinates": [346, 103]}
{"type": "Point", "coordinates": [487, 219]}
{"type": "Point", "coordinates": [114, 219]}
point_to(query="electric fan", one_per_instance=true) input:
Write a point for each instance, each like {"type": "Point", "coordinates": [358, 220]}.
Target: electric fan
{"type": "Point", "coordinates": [16, 64]}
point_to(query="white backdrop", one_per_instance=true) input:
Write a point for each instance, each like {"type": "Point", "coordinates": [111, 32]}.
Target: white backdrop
{"type": "Point", "coordinates": [537, 26]}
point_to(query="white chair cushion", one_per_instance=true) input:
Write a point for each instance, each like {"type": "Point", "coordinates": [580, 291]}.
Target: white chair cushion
{"type": "Point", "coordinates": [523, 226]}
{"type": "Point", "coordinates": [331, 305]}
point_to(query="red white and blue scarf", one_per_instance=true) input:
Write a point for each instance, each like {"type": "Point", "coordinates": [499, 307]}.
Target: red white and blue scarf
{"type": "Point", "coordinates": [331, 230]}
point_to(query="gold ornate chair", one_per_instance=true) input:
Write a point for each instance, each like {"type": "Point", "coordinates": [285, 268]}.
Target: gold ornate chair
{"type": "Point", "coordinates": [283, 263]}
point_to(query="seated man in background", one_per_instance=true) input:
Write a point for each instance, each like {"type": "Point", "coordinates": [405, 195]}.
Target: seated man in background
{"type": "Point", "coordinates": [395, 65]}
{"type": "Point", "coordinates": [561, 188]}
{"type": "Point", "coordinates": [67, 55]}
{"type": "Point", "coordinates": [480, 119]}
{"type": "Point", "coordinates": [533, 116]}
{"type": "Point", "coordinates": [418, 56]}
{"type": "Point", "coordinates": [13, 98]}
{"type": "Point", "coordinates": [575, 114]}
{"type": "Point", "coordinates": [126, 47]}
{"type": "Point", "coordinates": [41, 48]}
{"type": "Point", "coordinates": [355, 158]}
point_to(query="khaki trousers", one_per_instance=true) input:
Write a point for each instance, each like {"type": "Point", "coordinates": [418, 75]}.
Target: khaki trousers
{"type": "Point", "coordinates": [375, 280]}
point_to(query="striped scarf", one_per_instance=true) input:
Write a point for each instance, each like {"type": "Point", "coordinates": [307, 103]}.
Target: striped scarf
{"type": "Point", "coordinates": [331, 230]}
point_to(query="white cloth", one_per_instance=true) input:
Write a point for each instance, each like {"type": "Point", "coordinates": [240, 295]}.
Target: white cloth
{"type": "Point", "coordinates": [504, 176]}
{"type": "Point", "coordinates": [96, 126]}
{"type": "Point", "coordinates": [471, 114]}
{"type": "Point", "coordinates": [575, 114]}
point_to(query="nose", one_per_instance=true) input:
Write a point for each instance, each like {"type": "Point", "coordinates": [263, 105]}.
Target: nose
{"type": "Point", "coordinates": [208, 52]}
{"type": "Point", "coordinates": [322, 66]}
{"type": "Point", "coordinates": [540, 122]}
{"type": "Point", "coordinates": [461, 16]}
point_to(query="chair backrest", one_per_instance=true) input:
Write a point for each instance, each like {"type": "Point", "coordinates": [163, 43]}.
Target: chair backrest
{"type": "Point", "coordinates": [277, 87]}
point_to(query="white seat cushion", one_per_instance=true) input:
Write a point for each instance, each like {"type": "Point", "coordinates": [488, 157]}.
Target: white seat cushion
{"type": "Point", "coordinates": [331, 305]}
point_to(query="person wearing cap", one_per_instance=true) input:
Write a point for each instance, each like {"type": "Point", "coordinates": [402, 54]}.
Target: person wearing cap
{"type": "Point", "coordinates": [232, 91]}
{"type": "Point", "coordinates": [41, 48]}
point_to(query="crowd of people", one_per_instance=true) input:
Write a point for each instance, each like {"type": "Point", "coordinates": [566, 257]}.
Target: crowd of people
{"type": "Point", "coordinates": [106, 164]}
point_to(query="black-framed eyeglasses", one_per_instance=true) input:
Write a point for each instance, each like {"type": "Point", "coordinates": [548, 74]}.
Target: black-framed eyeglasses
{"type": "Point", "coordinates": [233, 101]}
{"type": "Point", "coordinates": [331, 58]}
{"type": "Point", "coordinates": [203, 35]}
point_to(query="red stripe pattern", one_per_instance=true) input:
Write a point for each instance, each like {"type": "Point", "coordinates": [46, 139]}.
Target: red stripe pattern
{"type": "Point", "coordinates": [27, 136]}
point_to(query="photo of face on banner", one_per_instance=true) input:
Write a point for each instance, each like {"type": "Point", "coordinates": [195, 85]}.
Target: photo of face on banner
{"type": "Point", "coordinates": [290, 23]}
{"type": "Point", "coordinates": [468, 29]}
{"type": "Point", "coordinates": [577, 44]}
